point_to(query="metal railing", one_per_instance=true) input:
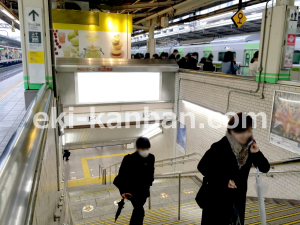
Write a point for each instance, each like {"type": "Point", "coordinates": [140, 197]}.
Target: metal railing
{"type": "Point", "coordinates": [260, 197]}
{"type": "Point", "coordinates": [159, 163]}
{"type": "Point", "coordinates": [20, 164]}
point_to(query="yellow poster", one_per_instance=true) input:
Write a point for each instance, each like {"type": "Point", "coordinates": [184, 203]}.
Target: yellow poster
{"type": "Point", "coordinates": [81, 34]}
{"type": "Point", "coordinates": [36, 57]}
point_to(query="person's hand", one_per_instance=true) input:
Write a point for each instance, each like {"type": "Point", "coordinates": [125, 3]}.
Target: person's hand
{"type": "Point", "coordinates": [125, 195]}
{"type": "Point", "coordinates": [254, 148]}
{"type": "Point", "coordinates": [233, 59]}
{"type": "Point", "coordinates": [231, 184]}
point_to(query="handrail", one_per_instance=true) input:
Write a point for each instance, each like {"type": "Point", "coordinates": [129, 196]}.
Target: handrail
{"type": "Point", "coordinates": [285, 161]}
{"type": "Point", "coordinates": [178, 157]}
{"type": "Point", "coordinates": [20, 164]}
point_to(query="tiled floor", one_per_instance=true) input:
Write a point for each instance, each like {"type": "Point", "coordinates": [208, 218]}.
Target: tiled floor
{"type": "Point", "coordinates": [12, 109]}
{"type": "Point", "coordinates": [94, 158]}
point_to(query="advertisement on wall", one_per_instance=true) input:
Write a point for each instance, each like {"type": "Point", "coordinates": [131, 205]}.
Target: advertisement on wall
{"type": "Point", "coordinates": [108, 37]}
{"type": "Point", "coordinates": [181, 137]}
{"type": "Point", "coordinates": [285, 123]}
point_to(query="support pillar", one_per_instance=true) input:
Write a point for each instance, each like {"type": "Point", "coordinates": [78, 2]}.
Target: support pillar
{"type": "Point", "coordinates": [151, 42]}
{"type": "Point", "coordinates": [35, 31]}
{"type": "Point", "coordinates": [276, 49]}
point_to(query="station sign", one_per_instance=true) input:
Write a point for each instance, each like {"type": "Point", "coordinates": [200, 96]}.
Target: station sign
{"type": "Point", "coordinates": [35, 45]}
{"type": "Point", "coordinates": [239, 18]}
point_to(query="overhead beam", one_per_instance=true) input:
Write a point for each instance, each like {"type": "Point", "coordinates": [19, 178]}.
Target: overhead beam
{"type": "Point", "coordinates": [136, 6]}
{"type": "Point", "coordinates": [140, 27]}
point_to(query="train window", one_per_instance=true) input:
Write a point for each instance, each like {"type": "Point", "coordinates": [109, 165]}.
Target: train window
{"type": "Point", "coordinates": [221, 56]}
{"type": "Point", "coordinates": [296, 59]}
{"type": "Point", "coordinates": [191, 53]}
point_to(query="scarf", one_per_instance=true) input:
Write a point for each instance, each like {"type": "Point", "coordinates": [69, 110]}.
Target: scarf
{"type": "Point", "coordinates": [241, 151]}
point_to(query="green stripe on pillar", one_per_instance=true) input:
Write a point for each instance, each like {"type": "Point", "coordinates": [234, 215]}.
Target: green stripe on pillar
{"type": "Point", "coordinates": [273, 77]}
{"type": "Point", "coordinates": [295, 69]}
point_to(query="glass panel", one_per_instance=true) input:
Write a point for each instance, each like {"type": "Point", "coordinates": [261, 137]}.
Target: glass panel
{"type": "Point", "coordinates": [221, 56]}
{"type": "Point", "coordinates": [296, 58]}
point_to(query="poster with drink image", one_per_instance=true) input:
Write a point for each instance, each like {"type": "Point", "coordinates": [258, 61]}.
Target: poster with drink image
{"type": "Point", "coordinates": [90, 44]}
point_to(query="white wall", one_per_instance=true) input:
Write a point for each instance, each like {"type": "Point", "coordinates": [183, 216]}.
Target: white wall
{"type": "Point", "coordinates": [215, 97]}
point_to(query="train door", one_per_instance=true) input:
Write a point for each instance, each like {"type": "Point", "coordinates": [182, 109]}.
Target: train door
{"type": "Point", "coordinates": [248, 55]}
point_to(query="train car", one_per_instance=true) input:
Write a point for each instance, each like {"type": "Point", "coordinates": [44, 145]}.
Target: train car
{"type": "Point", "coordinates": [10, 55]}
{"type": "Point", "coordinates": [243, 48]}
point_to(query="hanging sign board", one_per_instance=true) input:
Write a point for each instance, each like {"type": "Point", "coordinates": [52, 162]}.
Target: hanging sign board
{"type": "Point", "coordinates": [285, 123]}
{"type": "Point", "coordinates": [290, 39]}
{"type": "Point", "coordinates": [35, 45]}
{"type": "Point", "coordinates": [181, 137]}
{"type": "Point", "coordinates": [239, 18]}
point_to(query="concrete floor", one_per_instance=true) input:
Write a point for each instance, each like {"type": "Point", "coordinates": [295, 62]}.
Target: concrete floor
{"type": "Point", "coordinates": [12, 107]}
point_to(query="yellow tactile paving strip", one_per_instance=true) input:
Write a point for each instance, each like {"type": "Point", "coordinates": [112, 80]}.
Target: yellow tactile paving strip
{"type": "Point", "coordinates": [9, 89]}
{"type": "Point", "coordinates": [86, 172]}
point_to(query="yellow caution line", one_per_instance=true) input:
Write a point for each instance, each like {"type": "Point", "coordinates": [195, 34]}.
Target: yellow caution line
{"type": "Point", "coordinates": [276, 218]}
{"type": "Point", "coordinates": [147, 213]}
{"type": "Point", "coordinates": [271, 207]}
{"type": "Point", "coordinates": [293, 222]}
{"type": "Point", "coordinates": [161, 217]}
{"type": "Point", "coordinates": [152, 212]}
{"type": "Point", "coordinates": [9, 89]}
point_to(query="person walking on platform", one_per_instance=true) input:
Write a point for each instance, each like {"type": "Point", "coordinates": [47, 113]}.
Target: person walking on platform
{"type": "Point", "coordinates": [225, 167]}
{"type": "Point", "coordinates": [229, 65]}
{"type": "Point", "coordinates": [135, 177]}
{"type": "Point", "coordinates": [253, 67]}
{"type": "Point", "coordinates": [66, 155]}
{"type": "Point", "coordinates": [173, 55]}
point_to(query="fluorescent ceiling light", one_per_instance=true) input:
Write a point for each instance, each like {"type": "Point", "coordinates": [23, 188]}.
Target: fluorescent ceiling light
{"type": "Point", "coordinates": [8, 13]}
{"type": "Point", "coordinates": [209, 113]}
{"type": "Point", "coordinates": [154, 132]}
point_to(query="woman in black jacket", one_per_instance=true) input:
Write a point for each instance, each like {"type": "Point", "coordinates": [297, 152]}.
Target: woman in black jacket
{"type": "Point", "coordinates": [225, 167]}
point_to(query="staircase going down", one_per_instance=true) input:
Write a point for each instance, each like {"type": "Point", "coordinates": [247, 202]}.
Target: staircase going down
{"type": "Point", "coordinates": [95, 204]}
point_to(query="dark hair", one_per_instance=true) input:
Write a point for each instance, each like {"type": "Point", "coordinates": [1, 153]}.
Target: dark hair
{"type": "Point", "coordinates": [210, 57]}
{"type": "Point", "coordinates": [163, 54]}
{"type": "Point", "coordinates": [228, 57]}
{"type": "Point", "coordinates": [203, 60]}
{"type": "Point", "coordinates": [255, 56]}
{"type": "Point", "coordinates": [240, 122]}
{"type": "Point", "coordinates": [137, 56]}
{"type": "Point", "coordinates": [178, 56]}
{"type": "Point", "coordinates": [175, 50]}
{"type": "Point", "coordinates": [195, 54]}
{"type": "Point", "coordinates": [155, 56]}
{"type": "Point", "coordinates": [188, 56]}
{"type": "Point", "coordinates": [147, 55]}
{"type": "Point", "coordinates": [142, 143]}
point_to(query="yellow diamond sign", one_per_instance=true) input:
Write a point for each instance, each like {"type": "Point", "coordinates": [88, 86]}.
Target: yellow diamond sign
{"type": "Point", "coordinates": [239, 18]}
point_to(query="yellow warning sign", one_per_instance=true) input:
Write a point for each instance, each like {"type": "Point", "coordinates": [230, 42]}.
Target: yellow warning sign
{"type": "Point", "coordinates": [36, 57]}
{"type": "Point", "coordinates": [239, 18]}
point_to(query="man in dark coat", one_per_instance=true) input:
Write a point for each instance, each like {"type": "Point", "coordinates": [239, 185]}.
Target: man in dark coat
{"type": "Point", "coordinates": [226, 171]}
{"type": "Point", "coordinates": [173, 55]}
{"type": "Point", "coordinates": [135, 177]}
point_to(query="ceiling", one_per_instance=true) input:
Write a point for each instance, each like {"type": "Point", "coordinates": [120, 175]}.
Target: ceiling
{"type": "Point", "coordinates": [105, 135]}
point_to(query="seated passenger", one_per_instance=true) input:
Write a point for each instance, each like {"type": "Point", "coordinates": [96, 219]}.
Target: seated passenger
{"type": "Point", "coordinates": [147, 55]}
{"type": "Point", "coordinates": [225, 167]}
{"type": "Point", "coordinates": [208, 65]}
{"type": "Point", "coordinates": [229, 65]}
{"type": "Point", "coordinates": [253, 67]}
{"type": "Point", "coordinates": [135, 177]}
{"type": "Point", "coordinates": [155, 56]}
{"type": "Point", "coordinates": [177, 57]}
{"type": "Point", "coordinates": [174, 54]}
